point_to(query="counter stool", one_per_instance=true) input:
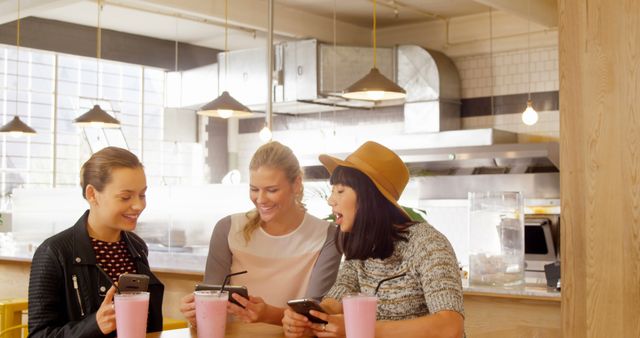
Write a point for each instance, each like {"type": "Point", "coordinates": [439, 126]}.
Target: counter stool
{"type": "Point", "coordinates": [11, 311]}
{"type": "Point", "coordinates": [172, 324]}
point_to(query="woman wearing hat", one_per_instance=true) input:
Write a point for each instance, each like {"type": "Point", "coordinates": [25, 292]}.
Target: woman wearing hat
{"type": "Point", "coordinates": [380, 241]}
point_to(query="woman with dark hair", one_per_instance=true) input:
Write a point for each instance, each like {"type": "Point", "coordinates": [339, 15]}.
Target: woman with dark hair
{"type": "Point", "coordinates": [380, 241]}
{"type": "Point", "coordinates": [68, 294]}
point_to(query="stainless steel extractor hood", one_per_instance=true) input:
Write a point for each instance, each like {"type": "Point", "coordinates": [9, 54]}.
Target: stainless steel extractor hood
{"type": "Point", "coordinates": [444, 170]}
{"type": "Point", "coordinates": [309, 77]}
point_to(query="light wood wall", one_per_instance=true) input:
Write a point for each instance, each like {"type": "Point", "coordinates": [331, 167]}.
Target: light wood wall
{"type": "Point", "coordinates": [600, 168]}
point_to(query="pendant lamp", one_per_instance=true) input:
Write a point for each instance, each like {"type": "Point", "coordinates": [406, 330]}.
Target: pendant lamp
{"type": "Point", "coordinates": [16, 127]}
{"type": "Point", "coordinates": [225, 105]}
{"type": "Point", "coordinates": [374, 86]}
{"type": "Point", "coordinates": [529, 115]}
{"type": "Point", "coordinates": [96, 116]}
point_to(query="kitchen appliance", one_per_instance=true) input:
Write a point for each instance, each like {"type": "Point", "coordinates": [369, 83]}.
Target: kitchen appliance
{"type": "Point", "coordinates": [541, 239]}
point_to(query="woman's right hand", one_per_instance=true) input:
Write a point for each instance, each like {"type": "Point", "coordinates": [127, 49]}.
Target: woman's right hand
{"type": "Point", "coordinates": [188, 308]}
{"type": "Point", "coordinates": [106, 315]}
{"type": "Point", "coordinates": [295, 324]}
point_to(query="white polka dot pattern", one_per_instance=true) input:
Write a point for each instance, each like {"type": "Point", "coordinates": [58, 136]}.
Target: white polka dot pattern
{"type": "Point", "coordinates": [114, 258]}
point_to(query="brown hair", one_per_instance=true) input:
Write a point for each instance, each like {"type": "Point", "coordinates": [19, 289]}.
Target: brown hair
{"type": "Point", "coordinates": [278, 156]}
{"type": "Point", "coordinates": [97, 170]}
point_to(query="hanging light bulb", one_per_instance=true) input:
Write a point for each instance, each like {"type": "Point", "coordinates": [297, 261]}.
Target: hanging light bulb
{"type": "Point", "coordinates": [15, 127]}
{"type": "Point", "coordinates": [225, 105]}
{"type": "Point", "coordinates": [265, 134]}
{"type": "Point", "coordinates": [529, 115]}
{"type": "Point", "coordinates": [225, 113]}
{"type": "Point", "coordinates": [374, 86]}
{"type": "Point", "coordinates": [97, 117]}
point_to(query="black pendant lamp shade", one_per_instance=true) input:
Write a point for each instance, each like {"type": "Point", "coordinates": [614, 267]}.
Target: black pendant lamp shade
{"type": "Point", "coordinates": [224, 106]}
{"type": "Point", "coordinates": [16, 126]}
{"type": "Point", "coordinates": [96, 116]}
{"type": "Point", "coordinates": [374, 87]}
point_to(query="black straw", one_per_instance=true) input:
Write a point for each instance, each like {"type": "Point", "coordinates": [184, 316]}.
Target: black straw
{"type": "Point", "coordinates": [226, 278]}
{"type": "Point", "coordinates": [108, 278]}
{"type": "Point", "coordinates": [387, 279]}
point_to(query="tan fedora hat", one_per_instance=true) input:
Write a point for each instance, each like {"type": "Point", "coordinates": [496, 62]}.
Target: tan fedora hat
{"type": "Point", "coordinates": [380, 164]}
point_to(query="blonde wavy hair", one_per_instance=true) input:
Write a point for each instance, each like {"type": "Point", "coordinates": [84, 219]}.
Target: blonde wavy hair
{"type": "Point", "coordinates": [278, 156]}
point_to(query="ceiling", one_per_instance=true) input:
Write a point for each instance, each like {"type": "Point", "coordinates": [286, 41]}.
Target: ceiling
{"type": "Point", "coordinates": [389, 12]}
{"type": "Point", "coordinates": [202, 22]}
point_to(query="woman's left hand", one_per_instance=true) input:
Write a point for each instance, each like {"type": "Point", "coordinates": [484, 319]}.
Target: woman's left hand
{"type": "Point", "coordinates": [333, 328]}
{"type": "Point", "coordinates": [254, 308]}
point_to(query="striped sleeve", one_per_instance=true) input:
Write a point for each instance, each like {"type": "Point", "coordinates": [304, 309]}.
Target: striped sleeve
{"type": "Point", "coordinates": [347, 281]}
{"type": "Point", "coordinates": [435, 262]}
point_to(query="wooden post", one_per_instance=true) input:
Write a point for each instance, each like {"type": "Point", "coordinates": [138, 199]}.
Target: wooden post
{"type": "Point", "coordinates": [600, 167]}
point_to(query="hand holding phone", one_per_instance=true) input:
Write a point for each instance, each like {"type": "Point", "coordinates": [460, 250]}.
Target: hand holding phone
{"type": "Point", "coordinates": [131, 282]}
{"type": "Point", "coordinates": [241, 290]}
{"type": "Point", "coordinates": [303, 306]}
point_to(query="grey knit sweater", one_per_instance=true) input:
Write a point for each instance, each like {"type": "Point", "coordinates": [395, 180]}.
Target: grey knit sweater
{"type": "Point", "coordinates": [432, 281]}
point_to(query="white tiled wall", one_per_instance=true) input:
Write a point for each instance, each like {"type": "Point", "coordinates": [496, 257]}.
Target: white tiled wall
{"type": "Point", "coordinates": [547, 129]}
{"type": "Point", "coordinates": [510, 72]}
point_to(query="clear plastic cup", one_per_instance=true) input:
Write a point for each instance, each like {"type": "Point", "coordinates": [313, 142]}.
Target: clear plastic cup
{"type": "Point", "coordinates": [360, 315]}
{"type": "Point", "coordinates": [132, 309]}
{"type": "Point", "coordinates": [211, 313]}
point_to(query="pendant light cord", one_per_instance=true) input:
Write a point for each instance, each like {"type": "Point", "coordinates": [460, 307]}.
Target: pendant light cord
{"type": "Point", "coordinates": [335, 62]}
{"type": "Point", "coordinates": [17, 57]}
{"type": "Point", "coordinates": [269, 117]}
{"type": "Point", "coordinates": [98, 51]}
{"type": "Point", "coordinates": [175, 53]}
{"type": "Point", "coordinates": [374, 35]}
{"type": "Point", "coordinates": [226, 47]}
{"type": "Point", "coordinates": [491, 56]}
{"type": "Point", "coordinates": [529, 48]}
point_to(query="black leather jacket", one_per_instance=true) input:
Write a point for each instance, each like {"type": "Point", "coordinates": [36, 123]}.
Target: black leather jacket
{"type": "Point", "coordinates": [66, 288]}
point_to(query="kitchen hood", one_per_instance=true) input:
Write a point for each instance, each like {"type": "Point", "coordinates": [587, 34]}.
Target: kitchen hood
{"type": "Point", "coordinates": [309, 77]}
{"type": "Point", "coordinates": [444, 170]}
{"type": "Point", "coordinates": [466, 152]}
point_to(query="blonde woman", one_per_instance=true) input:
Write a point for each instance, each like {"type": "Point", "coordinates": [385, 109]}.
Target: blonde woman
{"type": "Point", "coordinates": [287, 252]}
{"type": "Point", "coordinates": [68, 295]}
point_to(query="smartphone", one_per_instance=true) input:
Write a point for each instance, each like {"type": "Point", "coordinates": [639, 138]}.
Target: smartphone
{"type": "Point", "coordinates": [241, 290]}
{"type": "Point", "coordinates": [130, 282]}
{"type": "Point", "coordinates": [302, 306]}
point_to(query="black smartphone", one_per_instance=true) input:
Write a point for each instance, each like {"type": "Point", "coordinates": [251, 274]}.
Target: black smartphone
{"type": "Point", "coordinates": [241, 290]}
{"type": "Point", "coordinates": [129, 282]}
{"type": "Point", "coordinates": [302, 306]}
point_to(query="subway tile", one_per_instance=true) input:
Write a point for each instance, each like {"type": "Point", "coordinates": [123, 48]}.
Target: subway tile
{"type": "Point", "coordinates": [516, 58]}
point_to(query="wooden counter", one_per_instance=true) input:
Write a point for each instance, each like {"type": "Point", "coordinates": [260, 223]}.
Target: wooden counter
{"type": "Point", "coordinates": [499, 313]}
{"type": "Point", "coordinates": [234, 330]}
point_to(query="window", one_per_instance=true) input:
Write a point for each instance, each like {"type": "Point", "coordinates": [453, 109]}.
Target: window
{"type": "Point", "coordinates": [56, 88]}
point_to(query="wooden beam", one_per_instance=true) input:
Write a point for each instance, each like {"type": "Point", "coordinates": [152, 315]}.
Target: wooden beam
{"type": "Point", "coordinates": [600, 167]}
{"type": "Point", "coordinates": [543, 12]}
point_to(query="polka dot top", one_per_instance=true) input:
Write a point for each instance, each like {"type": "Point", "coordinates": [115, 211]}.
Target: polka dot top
{"type": "Point", "coordinates": [114, 258]}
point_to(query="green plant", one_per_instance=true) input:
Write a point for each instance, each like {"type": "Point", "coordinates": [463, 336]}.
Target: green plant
{"type": "Point", "coordinates": [417, 215]}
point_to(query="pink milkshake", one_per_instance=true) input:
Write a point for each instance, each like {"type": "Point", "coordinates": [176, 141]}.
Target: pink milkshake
{"type": "Point", "coordinates": [211, 313]}
{"type": "Point", "coordinates": [360, 315]}
{"type": "Point", "coordinates": [132, 309]}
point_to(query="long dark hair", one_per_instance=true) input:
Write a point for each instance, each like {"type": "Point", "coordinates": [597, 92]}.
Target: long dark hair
{"type": "Point", "coordinates": [378, 224]}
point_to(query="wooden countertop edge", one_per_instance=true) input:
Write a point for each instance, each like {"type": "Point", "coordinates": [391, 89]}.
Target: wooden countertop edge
{"type": "Point", "coordinates": [512, 296]}
{"type": "Point", "coordinates": [154, 269]}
